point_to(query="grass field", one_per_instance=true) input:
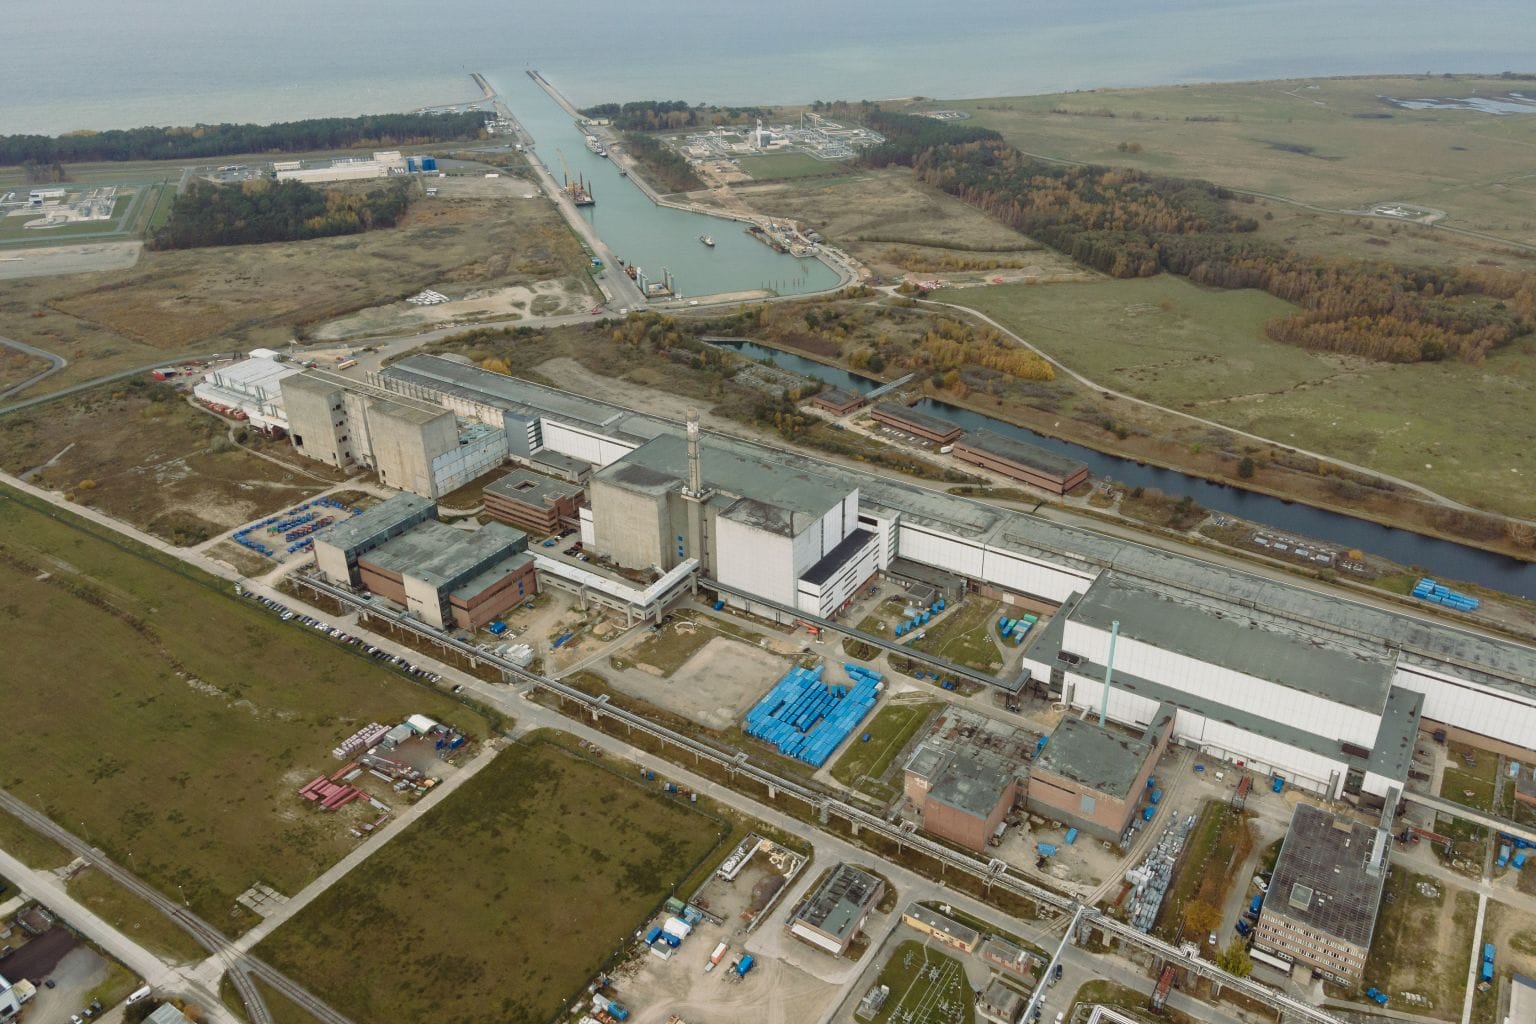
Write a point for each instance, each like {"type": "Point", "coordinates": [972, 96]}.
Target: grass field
{"type": "Point", "coordinates": [240, 297]}
{"type": "Point", "coordinates": [282, 1009]}
{"type": "Point", "coordinates": [1464, 431]}
{"type": "Point", "coordinates": [1472, 786]}
{"type": "Point", "coordinates": [890, 730]}
{"type": "Point", "coordinates": [159, 715]}
{"type": "Point", "coordinates": [776, 166]}
{"type": "Point", "coordinates": [506, 899]}
{"type": "Point", "coordinates": [927, 987]}
{"type": "Point", "coordinates": [964, 636]}
{"type": "Point", "coordinates": [881, 216]}
{"type": "Point", "coordinates": [27, 846]}
{"type": "Point", "coordinates": [1422, 940]}
{"type": "Point", "coordinates": [139, 452]}
{"type": "Point", "coordinates": [1329, 142]}
{"type": "Point", "coordinates": [134, 918]}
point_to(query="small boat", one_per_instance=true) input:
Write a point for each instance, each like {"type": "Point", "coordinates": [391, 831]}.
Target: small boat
{"type": "Point", "coordinates": [707, 241]}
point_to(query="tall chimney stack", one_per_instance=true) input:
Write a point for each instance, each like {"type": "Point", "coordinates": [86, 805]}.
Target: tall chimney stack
{"type": "Point", "coordinates": [695, 475]}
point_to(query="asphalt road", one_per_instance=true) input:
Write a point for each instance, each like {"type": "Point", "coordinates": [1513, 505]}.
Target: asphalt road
{"type": "Point", "coordinates": [56, 363]}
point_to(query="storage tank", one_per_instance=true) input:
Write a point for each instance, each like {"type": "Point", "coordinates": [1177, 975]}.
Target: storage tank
{"type": "Point", "coordinates": [745, 966]}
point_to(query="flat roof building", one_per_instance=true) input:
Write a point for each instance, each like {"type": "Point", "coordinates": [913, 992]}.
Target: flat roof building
{"type": "Point", "coordinates": [837, 401]}
{"type": "Point", "coordinates": [940, 928]}
{"type": "Point", "coordinates": [338, 546]}
{"type": "Point", "coordinates": [1000, 1003]}
{"type": "Point", "coordinates": [919, 424]}
{"type": "Point", "coordinates": [834, 914]}
{"type": "Point", "coordinates": [1095, 778]}
{"type": "Point", "coordinates": [1522, 1000]}
{"type": "Point", "coordinates": [538, 504]}
{"type": "Point", "coordinates": [1021, 461]}
{"type": "Point", "coordinates": [966, 777]}
{"type": "Point", "coordinates": [1324, 895]}
{"type": "Point", "coordinates": [253, 386]}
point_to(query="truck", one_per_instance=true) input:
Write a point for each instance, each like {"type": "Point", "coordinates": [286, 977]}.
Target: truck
{"type": "Point", "coordinates": [1255, 903]}
{"type": "Point", "coordinates": [1503, 860]}
{"type": "Point", "coordinates": [716, 957]}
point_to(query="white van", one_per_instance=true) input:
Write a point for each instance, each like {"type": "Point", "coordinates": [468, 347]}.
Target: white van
{"type": "Point", "coordinates": [137, 994]}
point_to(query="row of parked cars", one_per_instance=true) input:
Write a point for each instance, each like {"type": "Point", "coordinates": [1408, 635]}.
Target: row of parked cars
{"type": "Point", "coordinates": [377, 653]}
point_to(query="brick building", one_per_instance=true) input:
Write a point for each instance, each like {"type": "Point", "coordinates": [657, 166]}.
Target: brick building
{"type": "Point", "coordinates": [536, 504]}
{"type": "Point", "coordinates": [1021, 461]}
{"type": "Point", "coordinates": [1093, 778]}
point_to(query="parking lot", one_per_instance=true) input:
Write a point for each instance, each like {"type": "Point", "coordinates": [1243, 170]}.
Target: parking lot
{"type": "Point", "coordinates": [336, 633]}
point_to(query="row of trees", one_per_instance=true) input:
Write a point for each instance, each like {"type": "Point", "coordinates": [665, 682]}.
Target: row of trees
{"type": "Point", "coordinates": [1128, 223]}
{"type": "Point", "coordinates": [276, 211]}
{"type": "Point", "coordinates": [665, 167]}
{"type": "Point", "coordinates": [212, 140]}
{"type": "Point", "coordinates": [670, 115]}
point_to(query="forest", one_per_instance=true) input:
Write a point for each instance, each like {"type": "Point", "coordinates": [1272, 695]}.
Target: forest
{"type": "Point", "coordinates": [276, 211]}
{"type": "Point", "coordinates": [1128, 223]}
{"type": "Point", "coordinates": [211, 140]}
{"type": "Point", "coordinates": [670, 115]}
{"type": "Point", "coordinates": [664, 168]}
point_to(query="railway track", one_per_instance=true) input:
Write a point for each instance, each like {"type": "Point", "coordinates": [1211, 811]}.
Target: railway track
{"type": "Point", "coordinates": [240, 967]}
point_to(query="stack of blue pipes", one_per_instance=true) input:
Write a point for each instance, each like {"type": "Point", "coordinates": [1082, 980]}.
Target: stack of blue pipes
{"type": "Point", "coordinates": [806, 718]}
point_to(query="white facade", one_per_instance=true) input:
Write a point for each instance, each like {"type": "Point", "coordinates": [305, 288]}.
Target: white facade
{"type": "Point", "coordinates": [989, 564]}
{"type": "Point", "coordinates": [586, 445]}
{"type": "Point", "coordinates": [815, 938]}
{"type": "Point", "coordinates": [825, 598]}
{"type": "Point", "coordinates": [757, 561]}
{"type": "Point", "coordinates": [457, 467]}
{"type": "Point", "coordinates": [1472, 706]}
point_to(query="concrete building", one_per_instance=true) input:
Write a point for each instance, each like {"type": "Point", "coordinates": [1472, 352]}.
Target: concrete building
{"type": "Point", "coordinates": [1323, 897]}
{"type": "Point", "coordinates": [834, 914]}
{"type": "Point", "coordinates": [253, 386]}
{"type": "Point", "coordinates": [1095, 778]}
{"type": "Point", "coordinates": [1021, 461]}
{"type": "Point", "coordinates": [1005, 956]}
{"type": "Point", "coordinates": [1000, 1004]}
{"type": "Point", "coordinates": [1396, 669]}
{"type": "Point", "coordinates": [918, 424]}
{"type": "Point", "coordinates": [1247, 685]}
{"type": "Point", "coordinates": [537, 504]}
{"type": "Point", "coordinates": [1522, 1000]}
{"type": "Point", "coordinates": [337, 547]}
{"type": "Point", "coordinates": [449, 577]}
{"type": "Point", "coordinates": [940, 928]}
{"type": "Point", "coordinates": [792, 538]}
{"type": "Point", "coordinates": [414, 445]}
{"type": "Point", "coordinates": [165, 1013]}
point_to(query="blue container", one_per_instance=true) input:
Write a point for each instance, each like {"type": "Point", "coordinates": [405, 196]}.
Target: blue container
{"type": "Point", "coordinates": [745, 966]}
{"type": "Point", "coordinates": [429, 163]}
{"type": "Point", "coordinates": [652, 935]}
{"type": "Point", "coordinates": [1046, 849]}
{"type": "Point", "coordinates": [1277, 784]}
{"type": "Point", "coordinates": [1156, 797]}
{"type": "Point", "coordinates": [1071, 836]}
{"type": "Point", "coordinates": [719, 605]}
{"type": "Point", "coordinates": [1148, 814]}
{"type": "Point", "coordinates": [672, 940]}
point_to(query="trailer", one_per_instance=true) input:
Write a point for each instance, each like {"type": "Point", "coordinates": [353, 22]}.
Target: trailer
{"type": "Point", "coordinates": [716, 957]}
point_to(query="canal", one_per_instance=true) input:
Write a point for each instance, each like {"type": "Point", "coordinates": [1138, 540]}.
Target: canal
{"type": "Point", "coordinates": [1435, 556]}
{"type": "Point", "coordinates": [655, 238]}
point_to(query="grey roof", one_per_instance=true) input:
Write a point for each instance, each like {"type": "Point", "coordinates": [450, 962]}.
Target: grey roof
{"type": "Point", "coordinates": [1005, 1001]}
{"type": "Point", "coordinates": [1335, 621]}
{"type": "Point", "coordinates": [971, 783]}
{"type": "Point", "coordinates": [1321, 881]}
{"type": "Point", "coordinates": [927, 760]}
{"type": "Point", "coordinates": [575, 467]}
{"type": "Point", "coordinates": [938, 922]}
{"type": "Point", "coordinates": [1251, 642]}
{"type": "Point", "coordinates": [386, 403]}
{"type": "Point", "coordinates": [532, 488]}
{"type": "Point", "coordinates": [838, 904]}
{"type": "Point", "coordinates": [769, 496]}
{"type": "Point", "coordinates": [834, 560]}
{"type": "Point", "coordinates": [360, 530]}
{"type": "Point", "coordinates": [478, 583]}
{"type": "Point", "coordinates": [444, 556]}
{"type": "Point", "coordinates": [1101, 759]}
{"type": "Point", "coordinates": [1021, 452]}
{"type": "Point", "coordinates": [1392, 753]}
{"type": "Point", "coordinates": [836, 396]}
{"type": "Point", "coordinates": [935, 424]}
{"type": "Point", "coordinates": [166, 1013]}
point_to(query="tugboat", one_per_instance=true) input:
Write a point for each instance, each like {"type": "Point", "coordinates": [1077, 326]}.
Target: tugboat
{"type": "Point", "coordinates": [707, 241]}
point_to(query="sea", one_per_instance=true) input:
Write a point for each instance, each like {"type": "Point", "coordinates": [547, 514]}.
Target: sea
{"type": "Point", "coordinates": [93, 64]}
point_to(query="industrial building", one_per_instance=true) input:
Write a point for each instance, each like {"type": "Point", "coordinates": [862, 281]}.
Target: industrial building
{"type": "Point", "coordinates": [538, 504]}
{"type": "Point", "coordinates": [1320, 910]}
{"type": "Point", "coordinates": [253, 387]}
{"type": "Point", "coordinates": [447, 576]}
{"type": "Point", "coordinates": [837, 401]}
{"type": "Point", "coordinates": [1000, 1003]}
{"type": "Point", "coordinates": [967, 777]}
{"type": "Point", "coordinates": [1522, 1000]}
{"type": "Point", "coordinates": [1021, 461]}
{"type": "Point", "coordinates": [1320, 689]}
{"type": "Point", "coordinates": [413, 445]}
{"type": "Point", "coordinates": [941, 929]}
{"type": "Point", "coordinates": [835, 913]}
{"type": "Point", "coordinates": [1092, 777]}
{"type": "Point", "coordinates": [382, 165]}
{"type": "Point", "coordinates": [918, 424]}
